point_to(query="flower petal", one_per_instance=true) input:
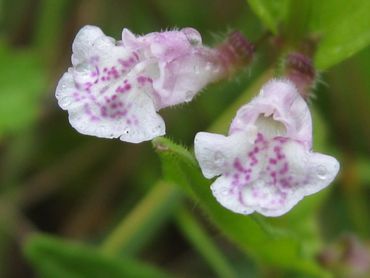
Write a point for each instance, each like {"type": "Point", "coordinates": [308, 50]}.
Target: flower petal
{"type": "Point", "coordinates": [280, 100]}
{"type": "Point", "coordinates": [216, 153]}
{"type": "Point", "coordinates": [182, 78]}
{"type": "Point", "coordinates": [280, 183]}
{"type": "Point", "coordinates": [228, 198]}
{"type": "Point", "coordinates": [83, 43]}
{"type": "Point", "coordinates": [107, 92]}
{"type": "Point", "coordinates": [268, 177]}
{"type": "Point", "coordinates": [129, 39]}
{"type": "Point", "coordinates": [322, 171]}
{"type": "Point", "coordinates": [185, 66]}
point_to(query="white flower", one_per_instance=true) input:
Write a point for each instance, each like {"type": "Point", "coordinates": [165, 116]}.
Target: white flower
{"type": "Point", "coordinates": [114, 88]}
{"type": "Point", "coordinates": [266, 164]}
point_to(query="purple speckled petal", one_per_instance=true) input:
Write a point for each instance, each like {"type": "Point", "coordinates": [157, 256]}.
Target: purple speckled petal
{"type": "Point", "coordinates": [106, 92]}
{"type": "Point", "coordinates": [280, 183]}
{"type": "Point", "coordinates": [228, 198]}
{"type": "Point", "coordinates": [270, 178]}
{"type": "Point", "coordinates": [291, 172]}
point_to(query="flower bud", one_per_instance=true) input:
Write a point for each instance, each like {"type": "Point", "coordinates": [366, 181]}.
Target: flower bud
{"type": "Point", "coordinates": [237, 51]}
{"type": "Point", "coordinates": [299, 70]}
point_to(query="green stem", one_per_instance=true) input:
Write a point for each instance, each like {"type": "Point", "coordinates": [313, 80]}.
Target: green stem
{"type": "Point", "coordinates": [50, 25]}
{"type": "Point", "coordinates": [158, 203]}
{"type": "Point", "coordinates": [193, 231]}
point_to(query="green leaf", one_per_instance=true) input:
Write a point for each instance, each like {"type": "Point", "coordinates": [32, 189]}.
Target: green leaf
{"type": "Point", "coordinates": [271, 12]}
{"type": "Point", "coordinates": [22, 80]}
{"type": "Point", "coordinates": [253, 234]}
{"type": "Point", "coordinates": [53, 257]}
{"type": "Point", "coordinates": [344, 28]}
{"type": "Point", "coordinates": [297, 20]}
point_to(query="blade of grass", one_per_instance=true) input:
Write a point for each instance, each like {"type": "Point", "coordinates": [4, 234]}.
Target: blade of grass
{"type": "Point", "coordinates": [156, 206]}
{"type": "Point", "coordinates": [193, 231]}
{"type": "Point", "coordinates": [55, 257]}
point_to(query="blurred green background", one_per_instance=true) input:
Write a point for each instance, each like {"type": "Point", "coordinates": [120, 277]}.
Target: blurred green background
{"type": "Point", "coordinates": [104, 204]}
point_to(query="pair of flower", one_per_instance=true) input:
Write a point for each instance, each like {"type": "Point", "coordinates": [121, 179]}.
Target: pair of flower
{"type": "Point", "coordinates": [265, 164]}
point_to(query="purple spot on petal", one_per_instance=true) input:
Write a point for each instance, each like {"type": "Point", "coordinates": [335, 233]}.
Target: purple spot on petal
{"type": "Point", "coordinates": [284, 169]}
{"type": "Point", "coordinates": [272, 161]}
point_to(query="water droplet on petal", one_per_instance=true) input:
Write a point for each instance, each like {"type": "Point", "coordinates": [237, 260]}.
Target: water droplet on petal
{"type": "Point", "coordinates": [83, 68]}
{"type": "Point", "coordinates": [219, 159]}
{"type": "Point", "coordinates": [209, 66]}
{"type": "Point", "coordinates": [192, 35]}
{"type": "Point", "coordinates": [212, 68]}
{"type": "Point", "coordinates": [189, 96]}
{"type": "Point", "coordinates": [82, 73]}
{"type": "Point", "coordinates": [65, 102]}
{"type": "Point", "coordinates": [196, 69]}
{"type": "Point", "coordinates": [321, 172]}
